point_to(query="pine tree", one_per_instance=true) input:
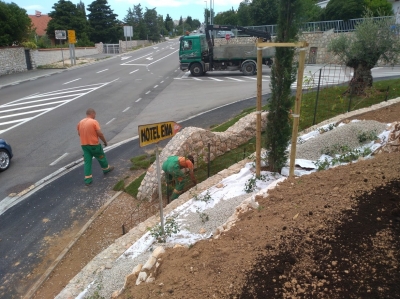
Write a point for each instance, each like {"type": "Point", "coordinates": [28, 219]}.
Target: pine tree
{"type": "Point", "coordinates": [103, 23]}
{"type": "Point", "coordinates": [283, 74]}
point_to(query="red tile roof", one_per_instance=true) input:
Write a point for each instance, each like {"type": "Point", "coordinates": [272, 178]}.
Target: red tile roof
{"type": "Point", "coordinates": [39, 22]}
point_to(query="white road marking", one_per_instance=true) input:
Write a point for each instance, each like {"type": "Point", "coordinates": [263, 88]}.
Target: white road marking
{"type": "Point", "coordinates": [138, 100]}
{"type": "Point", "coordinates": [133, 71]}
{"type": "Point", "coordinates": [127, 63]}
{"type": "Point", "coordinates": [186, 75]}
{"type": "Point", "coordinates": [56, 161]}
{"type": "Point", "coordinates": [155, 86]}
{"type": "Point", "coordinates": [215, 79]}
{"type": "Point", "coordinates": [198, 79]}
{"type": "Point", "coordinates": [71, 81]}
{"type": "Point", "coordinates": [162, 82]}
{"type": "Point", "coordinates": [110, 121]}
{"type": "Point", "coordinates": [148, 92]}
{"type": "Point", "coordinates": [54, 100]}
{"type": "Point", "coordinates": [234, 79]}
{"type": "Point", "coordinates": [150, 58]}
{"type": "Point", "coordinates": [126, 109]}
{"type": "Point", "coordinates": [125, 57]}
{"type": "Point", "coordinates": [101, 71]}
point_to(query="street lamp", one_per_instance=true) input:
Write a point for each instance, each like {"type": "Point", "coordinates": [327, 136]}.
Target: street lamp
{"type": "Point", "coordinates": [206, 14]}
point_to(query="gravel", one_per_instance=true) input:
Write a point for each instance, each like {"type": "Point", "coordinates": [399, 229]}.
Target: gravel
{"type": "Point", "coordinates": [344, 135]}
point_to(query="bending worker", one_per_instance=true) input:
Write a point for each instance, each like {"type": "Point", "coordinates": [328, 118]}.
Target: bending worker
{"type": "Point", "coordinates": [172, 168]}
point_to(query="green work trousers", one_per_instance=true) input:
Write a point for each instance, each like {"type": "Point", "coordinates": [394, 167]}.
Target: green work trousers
{"type": "Point", "coordinates": [173, 172]}
{"type": "Point", "coordinates": [90, 151]}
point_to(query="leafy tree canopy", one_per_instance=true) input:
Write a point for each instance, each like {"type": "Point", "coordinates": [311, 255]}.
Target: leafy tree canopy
{"type": "Point", "coordinates": [152, 24]}
{"type": "Point", "coordinates": [226, 18]}
{"type": "Point", "coordinates": [344, 9]}
{"type": "Point", "coordinates": [67, 16]}
{"type": "Point", "coordinates": [15, 25]}
{"type": "Point", "coordinates": [103, 23]}
{"type": "Point", "coordinates": [371, 41]}
{"type": "Point", "coordinates": [379, 7]}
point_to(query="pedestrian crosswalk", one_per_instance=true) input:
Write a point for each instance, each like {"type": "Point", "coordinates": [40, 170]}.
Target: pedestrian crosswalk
{"type": "Point", "coordinates": [220, 78]}
{"type": "Point", "coordinates": [20, 111]}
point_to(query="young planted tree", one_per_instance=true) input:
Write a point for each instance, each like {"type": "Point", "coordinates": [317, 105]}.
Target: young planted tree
{"type": "Point", "coordinates": [372, 40]}
{"type": "Point", "coordinates": [283, 74]}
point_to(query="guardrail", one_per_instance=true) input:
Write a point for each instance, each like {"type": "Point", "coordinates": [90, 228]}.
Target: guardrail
{"type": "Point", "coordinates": [337, 26]}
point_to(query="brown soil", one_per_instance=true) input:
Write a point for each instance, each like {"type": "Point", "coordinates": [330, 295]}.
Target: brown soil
{"type": "Point", "coordinates": [344, 242]}
{"type": "Point", "coordinates": [331, 234]}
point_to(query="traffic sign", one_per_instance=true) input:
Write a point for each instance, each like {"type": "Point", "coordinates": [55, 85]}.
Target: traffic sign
{"type": "Point", "coordinates": [60, 34]}
{"type": "Point", "coordinates": [71, 37]}
{"type": "Point", "coordinates": [153, 133]}
{"type": "Point", "coordinates": [227, 36]}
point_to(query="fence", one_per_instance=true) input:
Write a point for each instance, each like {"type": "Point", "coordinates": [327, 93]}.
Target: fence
{"type": "Point", "coordinates": [322, 26]}
{"type": "Point", "coordinates": [320, 100]}
{"type": "Point", "coordinates": [205, 168]}
{"type": "Point", "coordinates": [111, 48]}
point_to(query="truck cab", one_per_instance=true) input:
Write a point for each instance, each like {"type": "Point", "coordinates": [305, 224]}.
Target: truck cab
{"type": "Point", "coordinates": [193, 53]}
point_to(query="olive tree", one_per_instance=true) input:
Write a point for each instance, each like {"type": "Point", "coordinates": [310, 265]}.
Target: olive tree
{"type": "Point", "coordinates": [373, 40]}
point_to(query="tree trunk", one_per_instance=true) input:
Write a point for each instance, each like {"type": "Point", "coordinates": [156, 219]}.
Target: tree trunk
{"type": "Point", "coordinates": [362, 79]}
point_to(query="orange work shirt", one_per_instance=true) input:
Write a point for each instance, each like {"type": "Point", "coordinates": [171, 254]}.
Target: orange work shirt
{"type": "Point", "coordinates": [87, 128]}
{"type": "Point", "coordinates": [185, 163]}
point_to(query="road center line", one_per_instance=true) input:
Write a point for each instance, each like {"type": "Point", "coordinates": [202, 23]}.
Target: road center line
{"type": "Point", "coordinates": [138, 100]}
{"type": "Point", "coordinates": [71, 81]}
{"type": "Point", "coordinates": [56, 161]}
{"type": "Point", "coordinates": [161, 82]}
{"type": "Point", "coordinates": [110, 121]}
{"type": "Point", "coordinates": [148, 92]}
{"type": "Point", "coordinates": [155, 86]}
{"type": "Point", "coordinates": [133, 71]}
{"type": "Point", "coordinates": [101, 71]}
{"type": "Point", "coordinates": [126, 109]}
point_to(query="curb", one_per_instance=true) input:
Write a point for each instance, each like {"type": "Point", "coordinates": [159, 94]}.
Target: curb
{"type": "Point", "coordinates": [47, 273]}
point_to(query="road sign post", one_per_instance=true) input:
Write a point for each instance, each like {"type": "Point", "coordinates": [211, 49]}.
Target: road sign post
{"type": "Point", "coordinates": [154, 133]}
{"type": "Point", "coordinates": [61, 34]}
{"type": "Point", "coordinates": [72, 42]}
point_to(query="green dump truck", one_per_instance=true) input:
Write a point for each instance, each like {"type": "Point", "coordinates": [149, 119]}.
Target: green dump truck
{"type": "Point", "coordinates": [200, 54]}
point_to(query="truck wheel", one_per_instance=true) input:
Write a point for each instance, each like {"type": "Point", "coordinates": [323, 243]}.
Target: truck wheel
{"type": "Point", "coordinates": [196, 70]}
{"type": "Point", "coordinates": [249, 68]}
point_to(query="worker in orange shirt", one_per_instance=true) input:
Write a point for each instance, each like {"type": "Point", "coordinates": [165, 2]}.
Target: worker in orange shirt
{"type": "Point", "coordinates": [89, 133]}
{"type": "Point", "coordinates": [172, 168]}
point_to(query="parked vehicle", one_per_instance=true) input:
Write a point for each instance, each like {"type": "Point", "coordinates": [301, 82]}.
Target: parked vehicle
{"type": "Point", "coordinates": [199, 54]}
{"type": "Point", "coordinates": [5, 155]}
{"type": "Point", "coordinates": [222, 34]}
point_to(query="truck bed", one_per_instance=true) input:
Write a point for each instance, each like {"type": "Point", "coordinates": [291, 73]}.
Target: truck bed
{"type": "Point", "coordinates": [238, 51]}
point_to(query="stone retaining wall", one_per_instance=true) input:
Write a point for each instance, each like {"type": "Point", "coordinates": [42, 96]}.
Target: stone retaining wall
{"type": "Point", "coordinates": [128, 45]}
{"type": "Point", "coordinates": [12, 60]}
{"type": "Point", "coordinates": [195, 141]}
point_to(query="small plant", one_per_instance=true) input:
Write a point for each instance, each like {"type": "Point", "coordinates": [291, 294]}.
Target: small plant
{"type": "Point", "coordinates": [367, 136]}
{"type": "Point", "coordinates": [330, 127]}
{"type": "Point", "coordinates": [206, 197]}
{"type": "Point", "coordinates": [170, 227]}
{"type": "Point", "coordinates": [322, 165]}
{"type": "Point", "coordinates": [203, 216]}
{"type": "Point", "coordinates": [260, 208]}
{"type": "Point", "coordinates": [251, 183]}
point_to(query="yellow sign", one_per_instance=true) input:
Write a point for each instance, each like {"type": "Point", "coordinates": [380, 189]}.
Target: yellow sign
{"type": "Point", "coordinates": [71, 37]}
{"type": "Point", "coordinates": [153, 133]}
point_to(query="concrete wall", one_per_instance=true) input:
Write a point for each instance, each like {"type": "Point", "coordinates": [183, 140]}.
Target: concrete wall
{"type": "Point", "coordinates": [129, 45]}
{"type": "Point", "coordinates": [49, 56]}
{"type": "Point", "coordinates": [12, 60]}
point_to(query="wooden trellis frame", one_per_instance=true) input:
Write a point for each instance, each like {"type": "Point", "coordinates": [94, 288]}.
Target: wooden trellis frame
{"type": "Point", "coordinates": [296, 115]}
